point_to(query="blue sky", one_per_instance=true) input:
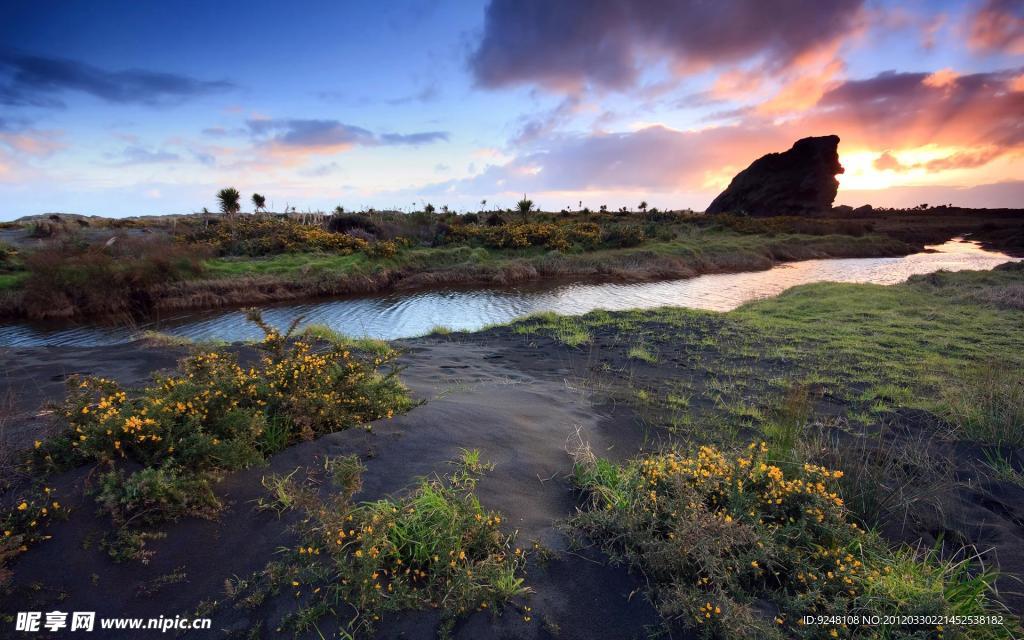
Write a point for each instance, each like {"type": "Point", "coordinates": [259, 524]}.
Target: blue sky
{"type": "Point", "coordinates": [128, 108]}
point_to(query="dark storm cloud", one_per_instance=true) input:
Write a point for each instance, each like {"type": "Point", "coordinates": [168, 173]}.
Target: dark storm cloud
{"type": "Point", "coordinates": [37, 81]}
{"type": "Point", "coordinates": [331, 134]}
{"type": "Point", "coordinates": [566, 44]}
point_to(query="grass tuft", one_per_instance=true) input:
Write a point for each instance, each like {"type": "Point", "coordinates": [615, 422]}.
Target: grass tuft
{"type": "Point", "coordinates": [987, 405]}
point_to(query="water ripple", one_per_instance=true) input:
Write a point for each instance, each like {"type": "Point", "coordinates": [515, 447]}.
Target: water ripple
{"type": "Point", "coordinates": [393, 315]}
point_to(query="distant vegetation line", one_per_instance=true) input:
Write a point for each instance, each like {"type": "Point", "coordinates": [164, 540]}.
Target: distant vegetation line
{"type": "Point", "coordinates": [70, 266]}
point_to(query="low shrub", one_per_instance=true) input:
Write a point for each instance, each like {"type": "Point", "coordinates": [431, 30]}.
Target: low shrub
{"type": "Point", "coordinates": [270, 236]}
{"type": "Point", "coordinates": [155, 494]}
{"type": "Point", "coordinates": [163, 449]}
{"type": "Point", "coordinates": [8, 257]}
{"type": "Point", "coordinates": [625, 235]}
{"type": "Point", "coordinates": [23, 524]}
{"type": "Point", "coordinates": [433, 547]}
{"type": "Point", "coordinates": [732, 547]}
{"type": "Point", "coordinates": [345, 222]}
{"type": "Point", "coordinates": [73, 278]}
{"type": "Point", "coordinates": [795, 224]}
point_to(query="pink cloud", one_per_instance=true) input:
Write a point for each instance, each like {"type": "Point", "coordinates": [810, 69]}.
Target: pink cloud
{"type": "Point", "coordinates": [998, 25]}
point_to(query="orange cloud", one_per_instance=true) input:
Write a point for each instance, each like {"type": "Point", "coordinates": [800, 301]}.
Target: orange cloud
{"type": "Point", "coordinates": [805, 91]}
{"type": "Point", "coordinates": [33, 143]}
{"type": "Point", "coordinates": [941, 79]}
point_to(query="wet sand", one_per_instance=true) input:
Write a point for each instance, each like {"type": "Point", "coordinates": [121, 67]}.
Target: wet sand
{"type": "Point", "coordinates": [475, 399]}
{"type": "Point", "coordinates": [515, 398]}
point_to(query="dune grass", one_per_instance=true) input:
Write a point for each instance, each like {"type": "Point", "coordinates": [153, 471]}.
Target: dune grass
{"type": "Point", "coordinates": [380, 348]}
{"type": "Point", "coordinates": [986, 404]}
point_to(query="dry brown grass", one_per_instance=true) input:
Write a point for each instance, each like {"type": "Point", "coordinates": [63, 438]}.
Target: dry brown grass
{"type": "Point", "coordinates": [69, 278]}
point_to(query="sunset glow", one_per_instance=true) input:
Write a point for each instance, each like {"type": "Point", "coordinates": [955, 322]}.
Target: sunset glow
{"type": "Point", "coordinates": [455, 103]}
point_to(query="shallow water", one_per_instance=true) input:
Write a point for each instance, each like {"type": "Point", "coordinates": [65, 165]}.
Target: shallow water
{"type": "Point", "coordinates": [403, 315]}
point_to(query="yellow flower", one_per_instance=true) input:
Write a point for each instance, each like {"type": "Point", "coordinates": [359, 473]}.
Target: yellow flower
{"type": "Point", "coordinates": [23, 506]}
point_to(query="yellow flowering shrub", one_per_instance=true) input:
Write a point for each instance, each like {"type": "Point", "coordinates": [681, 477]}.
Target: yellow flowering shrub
{"type": "Point", "coordinates": [211, 416]}
{"type": "Point", "coordinates": [434, 547]}
{"type": "Point", "coordinates": [271, 236]}
{"type": "Point", "coordinates": [514, 236]}
{"type": "Point", "coordinates": [23, 524]}
{"type": "Point", "coordinates": [732, 545]}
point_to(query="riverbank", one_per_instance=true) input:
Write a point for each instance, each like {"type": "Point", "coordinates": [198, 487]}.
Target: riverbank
{"type": "Point", "coordinates": [909, 389]}
{"type": "Point", "coordinates": [192, 263]}
{"type": "Point", "coordinates": [406, 314]}
{"type": "Point", "coordinates": [233, 282]}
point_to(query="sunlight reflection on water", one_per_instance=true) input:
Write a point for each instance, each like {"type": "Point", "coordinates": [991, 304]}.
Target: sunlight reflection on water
{"type": "Point", "coordinates": [402, 315]}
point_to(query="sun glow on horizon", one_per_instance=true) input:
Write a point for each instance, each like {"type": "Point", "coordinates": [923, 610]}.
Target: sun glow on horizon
{"type": "Point", "coordinates": [872, 169]}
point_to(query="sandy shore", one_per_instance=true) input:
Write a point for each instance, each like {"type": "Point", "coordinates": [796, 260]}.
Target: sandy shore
{"type": "Point", "coordinates": [516, 398]}
{"type": "Point", "coordinates": [477, 397]}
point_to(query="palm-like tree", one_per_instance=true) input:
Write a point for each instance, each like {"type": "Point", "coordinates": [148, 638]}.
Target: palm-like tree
{"type": "Point", "coordinates": [429, 209]}
{"type": "Point", "coordinates": [483, 205]}
{"type": "Point", "coordinates": [524, 207]}
{"type": "Point", "coordinates": [643, 206]}
{"type": "Point", "coordinates": [230, 201]}
{"type": "Point", "coordinates": [258, 202]}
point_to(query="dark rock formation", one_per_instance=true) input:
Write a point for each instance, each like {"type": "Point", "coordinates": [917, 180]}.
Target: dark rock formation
{"type": "Point", "coordinates": [863, 210]}
{"type": "Point", "coordinates": [801, 181]}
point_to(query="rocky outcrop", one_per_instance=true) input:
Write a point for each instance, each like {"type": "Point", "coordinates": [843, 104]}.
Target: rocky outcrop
{"type": "Point", "coordinates": [801, 181]}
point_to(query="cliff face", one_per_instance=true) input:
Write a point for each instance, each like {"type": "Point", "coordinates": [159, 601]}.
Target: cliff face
{"type": "Point", "coordinates": [801, 181]}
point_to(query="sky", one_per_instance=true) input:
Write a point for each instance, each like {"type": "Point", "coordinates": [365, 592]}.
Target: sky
{"type": "Point", "coordinates": [134, 108]}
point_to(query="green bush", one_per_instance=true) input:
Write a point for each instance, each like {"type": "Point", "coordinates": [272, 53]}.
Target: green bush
{"type": "Point", "coordinates": [155, 495]}
{"type": "Point", "coordinates": [270, 236]}
{"type": "Point", "coordinates": [213, 416]}
{"type": "Point", "coordinates": [723, 539]}
{"type": "Point", "coordinates": [625, 235]}
{"type": "Point", "coordinates": [434, 547]}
